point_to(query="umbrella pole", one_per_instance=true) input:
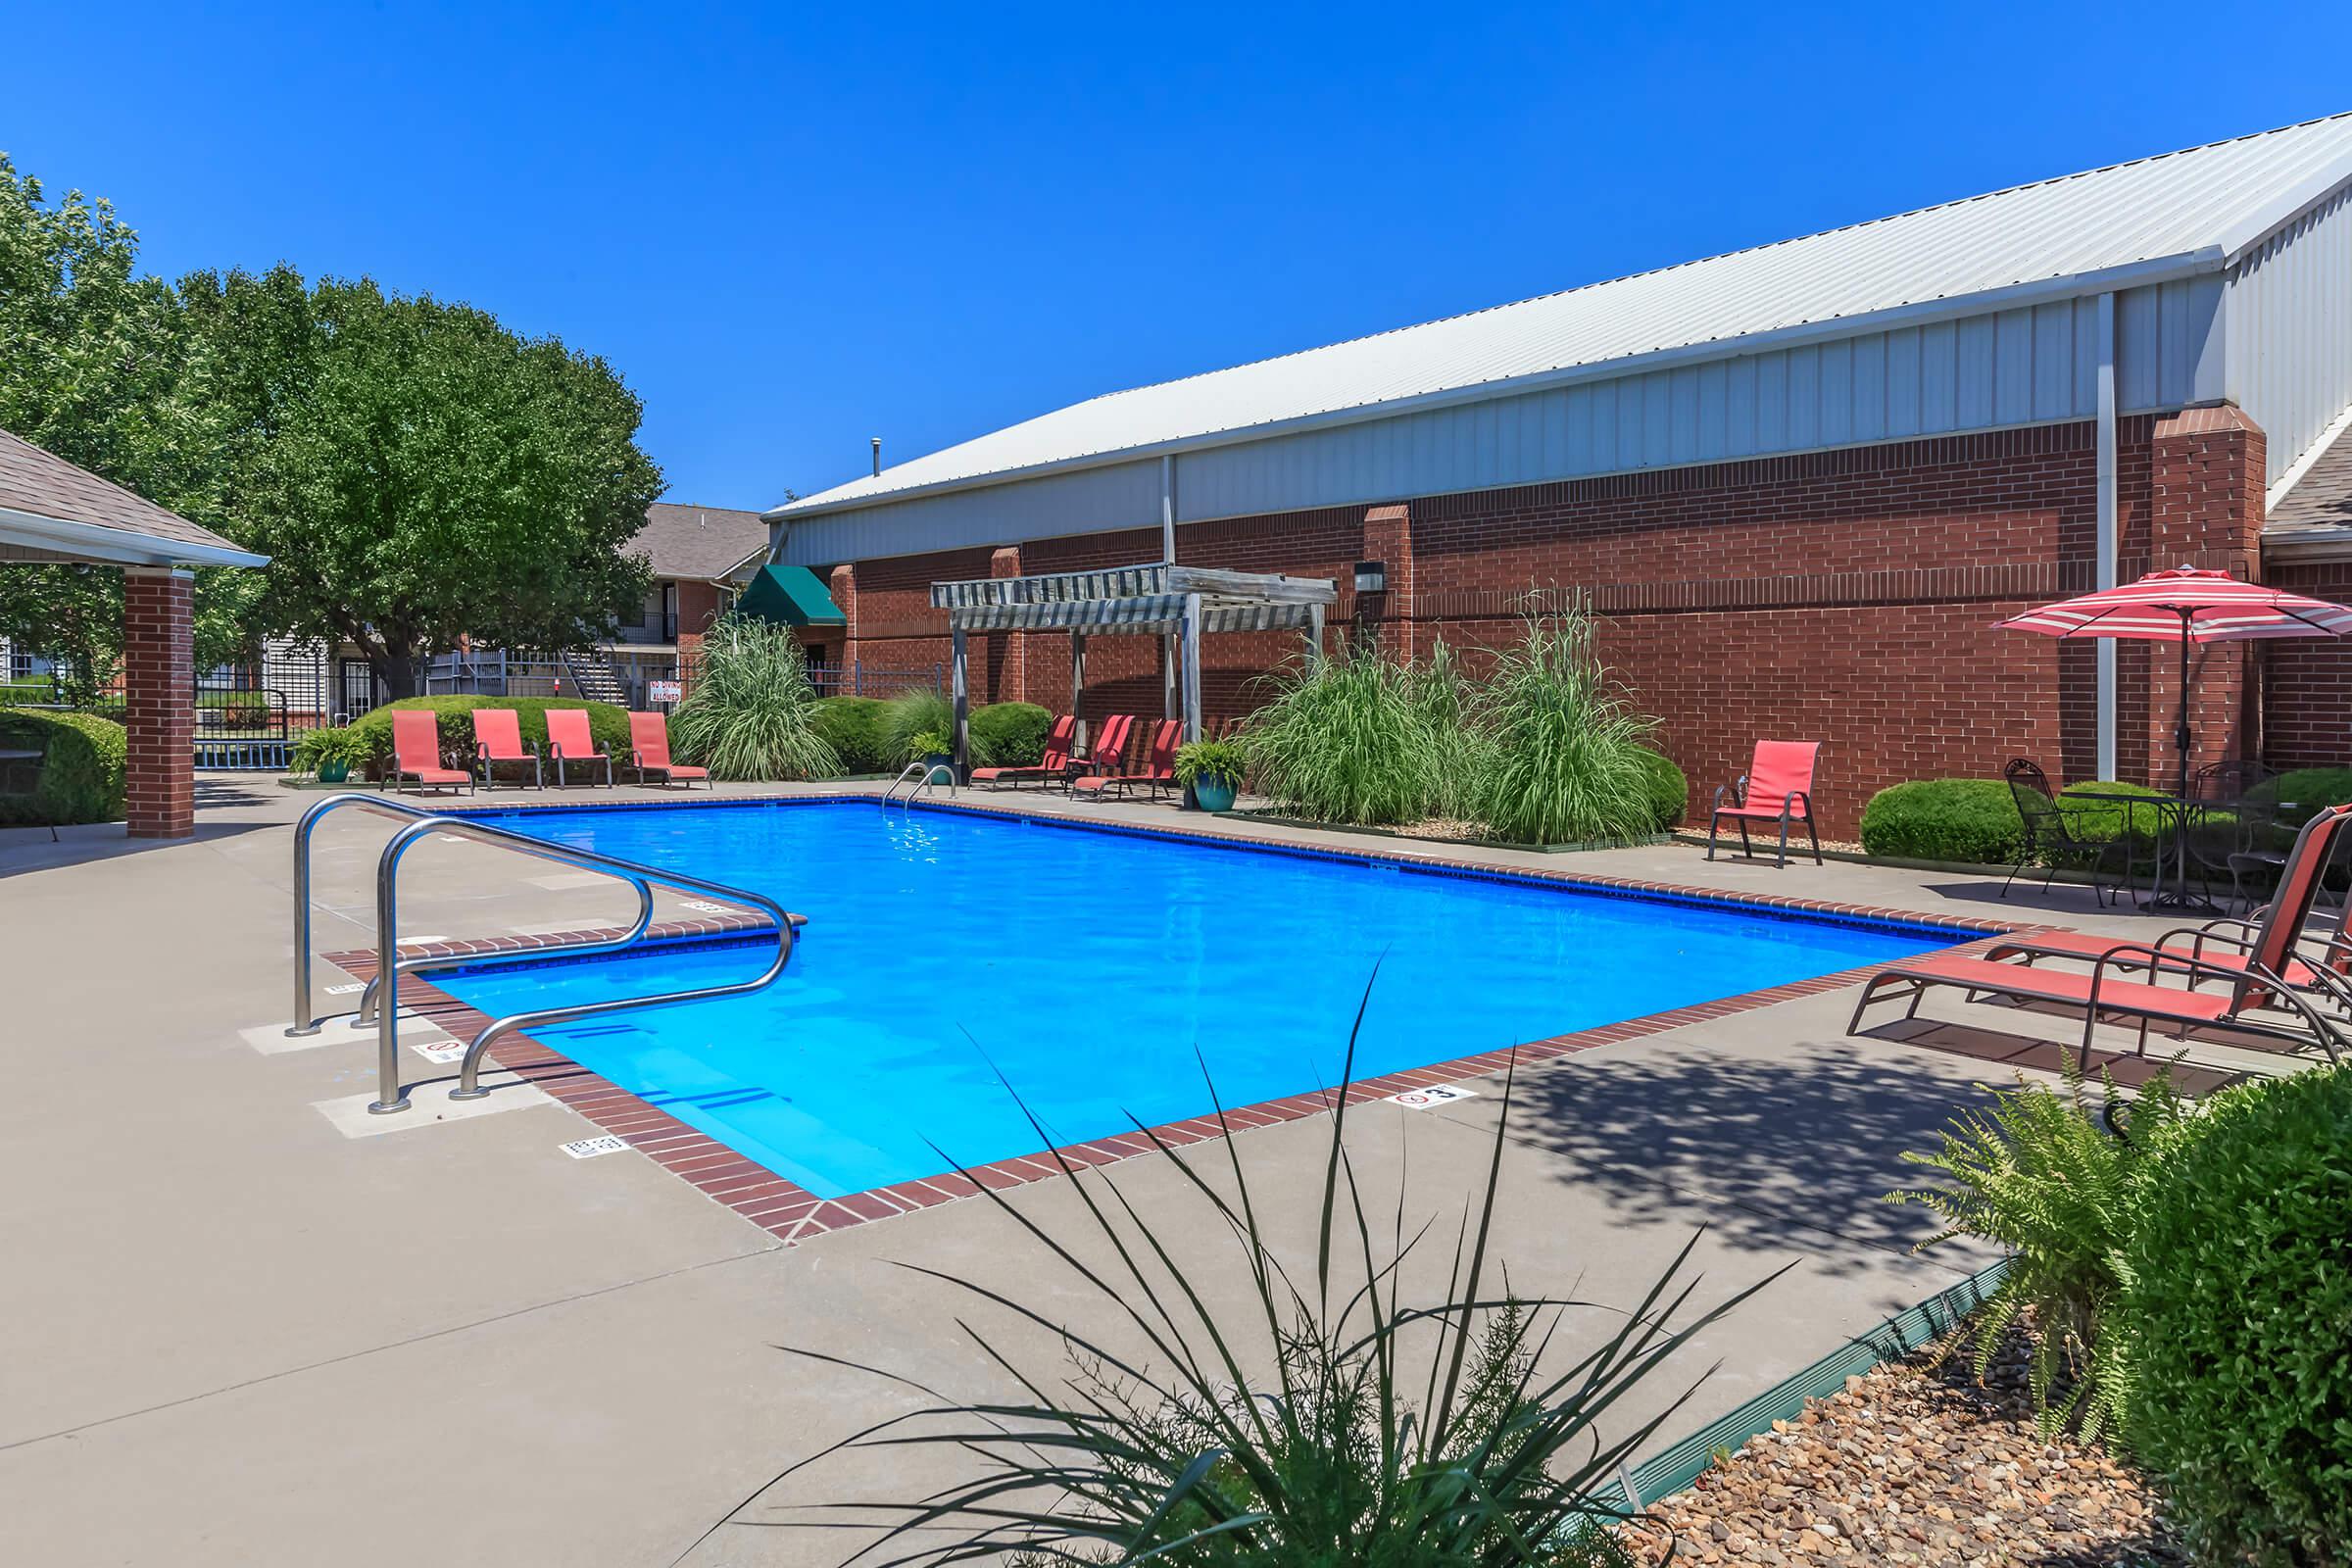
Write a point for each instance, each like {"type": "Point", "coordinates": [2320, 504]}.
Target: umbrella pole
{"type": "Point", "coordinates": [2180, 727]}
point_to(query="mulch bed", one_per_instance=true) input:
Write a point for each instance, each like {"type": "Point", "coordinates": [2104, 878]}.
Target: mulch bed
{"type": "Point", "coordinates": [1915, 1464]}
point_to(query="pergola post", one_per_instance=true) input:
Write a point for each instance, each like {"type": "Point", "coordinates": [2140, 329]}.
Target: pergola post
{"type": "Point", "coordinates": [963, 708]}
{"type": "Point", "coordinates": [1191, 667]}
{"type": "Point", "coordinates": [1314, 636]}
{"type": "Point", "coordinates": [159, 717]}
{"type": "Point", "coordinates": [1078, 691]}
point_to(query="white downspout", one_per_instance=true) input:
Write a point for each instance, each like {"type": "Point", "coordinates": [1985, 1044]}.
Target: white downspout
{"type": "Point", "coordinates": [2107, 526]}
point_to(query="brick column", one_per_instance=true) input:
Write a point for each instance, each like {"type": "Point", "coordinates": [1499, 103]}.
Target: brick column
{"type": "Point", "coordinates": [843, 585]}
{"type": "Point", "coordinates": [1008, 652]}
{"type": "Point", "coordinates": [158, 675]}
{"type": "Point", "coordinates": [2205, 509]}
{"type": "Point", "coordinates": [1389, 539]}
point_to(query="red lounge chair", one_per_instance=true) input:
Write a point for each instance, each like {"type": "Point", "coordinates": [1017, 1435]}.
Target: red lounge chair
{"type": "Point", "coordinates": [569, 741]}
{"type": "Point", "coordinates": [1053, 764]}
{"type": "Point", "coordinates": [2254, 979]}
{"type": "Point", "coordinates": [1777, 788]}
{"type": "Point", "coordinates": [649, 737]}
{"type": "Point", "coordinates": [1109, 748]}
{"type": "Point", "coordinates": [1159, 766]}
{"type": "Point", "coordinates": [417, 753]}
{"type": "Point", "coordinates": [498, 738]}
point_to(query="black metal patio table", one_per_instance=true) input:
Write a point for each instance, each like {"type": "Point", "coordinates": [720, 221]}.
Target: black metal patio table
{"type": "Point", "coordinates": [2179, 810]}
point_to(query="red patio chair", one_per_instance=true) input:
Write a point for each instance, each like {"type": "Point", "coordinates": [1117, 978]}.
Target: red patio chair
{"type": "Point", "coordinates": [1158, 770]}
{"type": "Point", "coordinates": [1053, 764]}
{"type": "Point", "coordinates": [417, 753]}
{"type": "Point", "coordinates": [569, 740]}
{"type": "Point", "coordinates": [2256, 979]}
{"type": "Point", "coordinates": [1109, 748]}
{"type": "Point", "coordinates": [498, 738]}
{"type": "Point", "coordinates": [649, 737]}
{"type": "Point", "coordinates": [1777, 788]}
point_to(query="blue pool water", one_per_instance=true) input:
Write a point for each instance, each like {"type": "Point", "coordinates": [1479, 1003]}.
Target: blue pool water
{"type": "Point", "coordinates": [1087, 967]}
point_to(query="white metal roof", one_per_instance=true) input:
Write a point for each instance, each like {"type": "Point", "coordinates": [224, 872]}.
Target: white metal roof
{"type": "Point", "coordinates": [2133, 222]}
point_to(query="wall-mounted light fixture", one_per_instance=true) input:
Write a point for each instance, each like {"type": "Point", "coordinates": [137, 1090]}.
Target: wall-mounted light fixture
{"type": "Point", "coordinates": [1371, 576]}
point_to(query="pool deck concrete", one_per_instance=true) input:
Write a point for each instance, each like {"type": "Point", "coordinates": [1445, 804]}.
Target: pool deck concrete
{"type": "Point", "coordinates": [237, 1335]}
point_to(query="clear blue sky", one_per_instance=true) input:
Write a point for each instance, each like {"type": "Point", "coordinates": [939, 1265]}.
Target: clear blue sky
{"type": "Point", "coordinates": [793, 228]}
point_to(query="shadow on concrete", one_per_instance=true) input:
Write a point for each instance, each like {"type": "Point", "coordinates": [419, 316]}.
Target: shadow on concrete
{"type": "Point", "coordinates": [41, 849]}
{"type": "Point", "coordinates": [1810, 1138]}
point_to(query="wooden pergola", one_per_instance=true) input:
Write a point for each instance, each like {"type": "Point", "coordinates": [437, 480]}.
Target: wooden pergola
{"type": "Point", "coordinates": [1178, 604]}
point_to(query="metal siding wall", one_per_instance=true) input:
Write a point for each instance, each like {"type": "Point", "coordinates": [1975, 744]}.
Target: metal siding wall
{"type": "Point", "coordinates": [2289, 348]}
{"type": "Point", "coordinates": [1123, 495]}
{"type": "Point", "coordinates": [2017, 367]}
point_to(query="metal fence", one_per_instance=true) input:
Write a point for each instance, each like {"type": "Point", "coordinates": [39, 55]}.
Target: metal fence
{"type": "Point", "coordinates": [858, 678]}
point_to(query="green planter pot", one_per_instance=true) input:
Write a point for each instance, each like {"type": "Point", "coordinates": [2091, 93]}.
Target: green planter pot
{"type": "Point", "coordinates": [1212, 794]}
{"type": "Point", "coordinates": [333, 772]}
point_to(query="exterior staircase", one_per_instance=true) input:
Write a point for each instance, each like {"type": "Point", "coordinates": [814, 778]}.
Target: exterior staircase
{"type": "Point", "coordinates": [591, 676]}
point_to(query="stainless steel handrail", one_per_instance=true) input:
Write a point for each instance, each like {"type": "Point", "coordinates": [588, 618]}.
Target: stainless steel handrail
{"type": "Point", "coordinates": [306, 1021]}
{"type": "Point", "coordinates": [390, 1096]}
{"type": "Point", "coordinates": [930, 771]}
{"type": "Point", "coordinates": [366, 1015]}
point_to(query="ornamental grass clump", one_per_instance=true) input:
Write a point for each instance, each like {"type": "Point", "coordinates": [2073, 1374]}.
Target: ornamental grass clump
{"type": "Point", "coordinates": [750, 712]}
{"type": "Point", "coordinates": [2041, 1174]}
{"type": "Point", "coordinates": [1348, 739]}
{"type": "Point", "coordinates": [1229, 1402]}
{"type": "Point", "coordinates": [1564, 746]}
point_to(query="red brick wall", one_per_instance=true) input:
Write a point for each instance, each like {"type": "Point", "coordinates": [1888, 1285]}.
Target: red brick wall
{"type": "Point", "coordinates": [2307, 682]}
{"type": "Point", "coordinates": [159, 679]}
{"type": "Point", "coordinates": [1848, 596]}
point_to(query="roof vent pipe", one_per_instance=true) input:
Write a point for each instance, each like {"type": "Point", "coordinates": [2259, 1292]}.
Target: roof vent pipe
{"type": "Point", "coordinates": [877, 457]}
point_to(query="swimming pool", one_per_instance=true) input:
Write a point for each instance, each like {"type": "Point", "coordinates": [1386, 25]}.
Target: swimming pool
{"type": "Point", "coordinates": [1086, 967]}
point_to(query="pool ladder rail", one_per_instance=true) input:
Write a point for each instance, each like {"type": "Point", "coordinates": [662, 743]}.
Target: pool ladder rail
{"type": "Point", "coordinates": [379, 1003]}
{"type": "Point", "coordinates": [924, 776]}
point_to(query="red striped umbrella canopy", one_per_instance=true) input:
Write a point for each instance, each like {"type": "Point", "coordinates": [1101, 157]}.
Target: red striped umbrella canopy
{"type": "Point", "coordinates": [2183, 602]}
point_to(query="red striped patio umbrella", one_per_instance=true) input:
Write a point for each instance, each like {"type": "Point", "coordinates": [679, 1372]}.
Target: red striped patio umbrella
{"type": "Point", "coordinates": [2184, 604]}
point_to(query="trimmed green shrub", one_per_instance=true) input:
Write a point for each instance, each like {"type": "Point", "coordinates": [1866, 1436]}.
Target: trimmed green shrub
{"type": "Point", "coordinates": [749, 715]}
{"type": "Point", "coordinates": [608, 724]}
{"type": "Point", "coordinates": [2240, 1300]}
{"type": "Point", "coordinates": [82, 768]}
{"type": "Point", "coordinates": [918, 711]}
{"type": "Point", "coordinates": [1968, 819]}
{"type": "Point", "coordinates": [2104, 821]}
{"type": "Point", "coordinates": [1012, 734]}
{"type": "Point", "coordinates": [1669, 790]}
{"type": "Point", "coordinates": [1568, 763]}
{"type": "Point", "coordinates": [856, 729]}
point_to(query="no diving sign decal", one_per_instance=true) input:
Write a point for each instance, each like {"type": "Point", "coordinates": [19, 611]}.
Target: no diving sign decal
{"type": "Point", "coordinates": [1435, 1095]}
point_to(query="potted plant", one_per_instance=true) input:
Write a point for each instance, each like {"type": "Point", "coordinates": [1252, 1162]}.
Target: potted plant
{"type": "Point", "coordinates": [933, 749]}
{"type": "Point", "coordinates": [1213, 771]}
{"type": "Point", "coordinates": [331, 754]}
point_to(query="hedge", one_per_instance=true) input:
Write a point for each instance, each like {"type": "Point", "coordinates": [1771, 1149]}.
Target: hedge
{"type": "Point", "coordinates": [1975, 820]}
{"type": "Point", "coordinates": [855, 728]}
{"type": "Point", "coordinates": [608, 724]}
{"type": "Point", "coordinates": [2239, 1303]}
{"type": "Point", "coordinates": [1669, 790]}
{"type": "Point", "coordinates": [1010, 734]}
{"type": "Point", "coordinates": [82, 768]}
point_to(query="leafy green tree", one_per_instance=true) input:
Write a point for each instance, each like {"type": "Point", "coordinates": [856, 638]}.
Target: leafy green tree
{"type": "Point", "coordinates": [439, 477]}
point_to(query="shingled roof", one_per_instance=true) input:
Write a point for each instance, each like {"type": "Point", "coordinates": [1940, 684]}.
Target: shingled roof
{"type": "Point", "coordinates": [2320, 502]}
{"type": "Point", "coordinates": [699, 542]}
{"type": "Point", "coordinates": [51, 509]}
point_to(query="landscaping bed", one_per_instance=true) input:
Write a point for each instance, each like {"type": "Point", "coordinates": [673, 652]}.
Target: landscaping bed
{"type": "Point", "coordinates": [1916, 1463]}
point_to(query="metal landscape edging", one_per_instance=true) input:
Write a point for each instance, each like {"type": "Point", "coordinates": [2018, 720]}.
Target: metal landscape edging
{"type": "Point", "coordinates": [1674, 1468]}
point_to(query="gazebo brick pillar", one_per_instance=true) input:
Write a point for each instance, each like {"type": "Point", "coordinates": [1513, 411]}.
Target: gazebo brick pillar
{"type": "Point", "coordinates": [158, 675]}
{"type": "Point", "coordinates": [1010, 649]}
{"type": "Point", "coordinates": [2205, 509]}
{"type": "Point", "coordinates": [1389, 539]}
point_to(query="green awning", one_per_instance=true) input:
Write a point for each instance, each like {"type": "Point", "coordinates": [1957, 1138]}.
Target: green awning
{"type": "Point", "coordinates": [789, 595]}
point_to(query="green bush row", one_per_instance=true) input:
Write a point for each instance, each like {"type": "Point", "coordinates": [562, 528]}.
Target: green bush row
{"type": "Point", "coordinates": [82, 767]}
{"type": "Point", "coordinates": [871, 734]}
{"type": "Point", "coordinates": [1975, 820]}
{"type": "Point", "coordinates": [2190, 1282]}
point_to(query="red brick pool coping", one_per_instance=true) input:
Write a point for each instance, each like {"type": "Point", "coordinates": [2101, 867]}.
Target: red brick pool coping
{"type": "Point", "coordinates": [785, 1209]}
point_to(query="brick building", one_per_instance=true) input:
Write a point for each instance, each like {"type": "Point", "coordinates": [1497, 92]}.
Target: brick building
{"type": "Point", "coordinates": [1800, 483]}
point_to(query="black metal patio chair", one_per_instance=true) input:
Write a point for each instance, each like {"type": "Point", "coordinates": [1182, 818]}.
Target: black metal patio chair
{"type": "Point", "coordinates": [2050, 838]}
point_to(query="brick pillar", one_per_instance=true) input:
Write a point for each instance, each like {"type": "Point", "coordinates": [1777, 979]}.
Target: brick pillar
{"type": "Point", "coordinates": [844, 587]}
{"type": "Point", "coordinates": [1007, 652]}
{"type": "Point", "coordinates": [2205, 509]}
{"type": "Point", "coordinates": [159, 676]}
{"type": "Point", "coordinates": [1389, 539]}
{"type": "Point", "coordinates": [690, 660]}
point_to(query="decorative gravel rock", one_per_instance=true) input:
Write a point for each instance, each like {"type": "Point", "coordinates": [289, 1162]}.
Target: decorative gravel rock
{"type": "Point", "coordinates": [1914, 1465]}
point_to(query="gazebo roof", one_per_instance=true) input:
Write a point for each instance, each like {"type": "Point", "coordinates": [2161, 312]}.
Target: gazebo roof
{"type": "Point", "coordinates": [1133, 599]}
{"type": "Point", "coordinates": [51, 510]}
